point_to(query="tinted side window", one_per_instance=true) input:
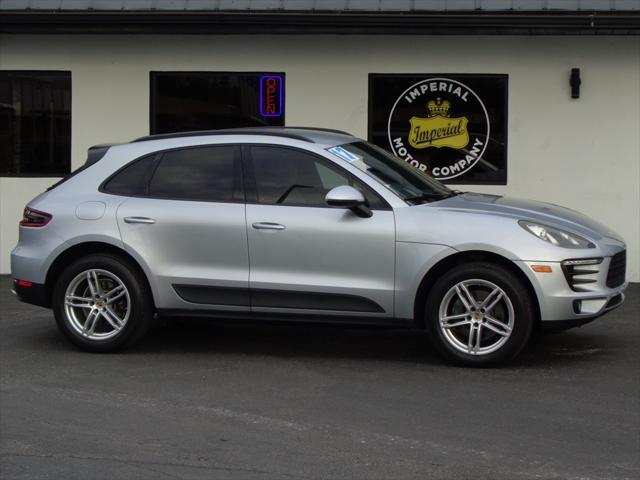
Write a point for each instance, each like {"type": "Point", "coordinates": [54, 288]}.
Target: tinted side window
{"type": "Point", "coordinates": [132, 179]}
{"type": "Point", "coordinates": [286, 176]}
{"type": "Point", "coordinates": [201, 173]}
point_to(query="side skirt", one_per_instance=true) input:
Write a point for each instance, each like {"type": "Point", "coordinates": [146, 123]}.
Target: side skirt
{"type": "Point", "coordinates": [210, 295]}
{"type": "Point", "coordinates": [287, 318]}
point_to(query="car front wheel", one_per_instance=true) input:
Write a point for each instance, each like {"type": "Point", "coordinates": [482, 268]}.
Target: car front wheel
{"type": "Point", "coordinates": [479, 314]}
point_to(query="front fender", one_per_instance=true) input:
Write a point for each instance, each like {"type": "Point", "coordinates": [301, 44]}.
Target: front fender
{"type": "Point", "coordinates": [413, 261]}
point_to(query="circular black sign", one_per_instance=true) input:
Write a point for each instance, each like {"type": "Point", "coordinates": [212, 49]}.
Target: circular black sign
{"type": "Point", "coordinates": [440, 126]}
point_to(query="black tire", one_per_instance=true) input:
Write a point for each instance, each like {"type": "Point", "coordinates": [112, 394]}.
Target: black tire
{"type": "Point", "coordinates": [513, 302]}
{"type": "Point", "coordinates": [138, 311]}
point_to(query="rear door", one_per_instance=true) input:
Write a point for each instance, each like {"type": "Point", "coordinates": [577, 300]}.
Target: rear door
{"type": "Point", "coordinates": [188, 226]}
{"type": "Point", "coordinates": [306, 257]}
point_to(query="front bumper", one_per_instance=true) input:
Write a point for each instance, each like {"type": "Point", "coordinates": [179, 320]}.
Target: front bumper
{"type": "Point", "coordinates": [561, 325]}
{"type": "Point", "coordinates": [560, 303]}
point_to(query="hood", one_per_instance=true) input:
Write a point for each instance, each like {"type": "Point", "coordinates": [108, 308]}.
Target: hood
{"type": "Point", "coordinates": [520, 209]}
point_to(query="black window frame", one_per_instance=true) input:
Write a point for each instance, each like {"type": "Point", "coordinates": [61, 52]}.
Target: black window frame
{"type": "Point", "coordinates": [154, 74]}
{"type": "Point", "coordinates": [250, 185]}
{"type": "Point", "coordinates": [241, 191]}
{"type": "Point", "coordinates": [69, 165]}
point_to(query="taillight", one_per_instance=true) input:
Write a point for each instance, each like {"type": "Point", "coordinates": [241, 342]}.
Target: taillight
{"type": "Point", "coordinates": [34, 218]}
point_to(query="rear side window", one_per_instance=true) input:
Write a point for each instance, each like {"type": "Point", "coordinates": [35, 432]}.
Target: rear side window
{"type": "Point", "coordinates": [132, 180]}
{"type": "Point", "coordinates": [210, 173]}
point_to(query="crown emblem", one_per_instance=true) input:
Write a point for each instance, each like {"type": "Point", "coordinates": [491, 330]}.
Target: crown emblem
{"type": "Point", "coordinates": [438, 107]}
{"type": "Point", "coordinates": [439, 129]}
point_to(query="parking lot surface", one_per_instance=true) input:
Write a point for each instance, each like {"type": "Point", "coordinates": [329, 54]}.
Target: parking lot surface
{"type": "Point", "coordinates": [210, 400]}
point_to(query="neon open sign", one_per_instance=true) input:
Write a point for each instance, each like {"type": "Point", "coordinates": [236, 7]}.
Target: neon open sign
{"type": "Point", "coordinates": [271, 96]}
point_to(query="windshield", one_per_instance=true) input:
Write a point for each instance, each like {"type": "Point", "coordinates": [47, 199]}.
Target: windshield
{"type": "Point", "coordinates": [409, 183]}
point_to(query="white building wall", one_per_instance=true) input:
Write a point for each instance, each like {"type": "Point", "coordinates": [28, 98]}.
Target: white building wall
{"type": "Point", "coordinates": [584, 153]}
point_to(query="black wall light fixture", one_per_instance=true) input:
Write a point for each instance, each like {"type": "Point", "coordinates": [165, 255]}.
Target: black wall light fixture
{"type": "Point", "coordinates": [575, 82]}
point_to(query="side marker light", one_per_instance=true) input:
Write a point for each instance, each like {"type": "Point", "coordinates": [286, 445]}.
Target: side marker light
{"type": "Point", "coordinates": [541, 268]}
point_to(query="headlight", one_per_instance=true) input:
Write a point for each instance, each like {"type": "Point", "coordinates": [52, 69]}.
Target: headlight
{"type": "Point", "coordinates": [556, 236]}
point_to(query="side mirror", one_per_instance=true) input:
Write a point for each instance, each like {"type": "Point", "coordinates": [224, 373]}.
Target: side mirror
{"type": "Point", "coordinates": [346, 196]}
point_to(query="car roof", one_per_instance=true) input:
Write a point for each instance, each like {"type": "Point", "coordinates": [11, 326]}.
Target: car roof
{"type": "Point", "coordinates": [323, 136]}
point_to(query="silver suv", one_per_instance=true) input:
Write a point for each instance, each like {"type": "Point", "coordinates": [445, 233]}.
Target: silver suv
{"type": "Point", "coordinates": [304, 224]}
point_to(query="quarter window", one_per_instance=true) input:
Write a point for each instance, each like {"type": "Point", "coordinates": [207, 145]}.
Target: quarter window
{"type": "Point", "coordinates": [133, 179]}
{"type": "Point", "coordinates": [286, 176]}
{"type": "Point", "coordinates": [201, 174]}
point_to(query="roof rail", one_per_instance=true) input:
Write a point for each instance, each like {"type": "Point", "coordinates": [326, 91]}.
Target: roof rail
{"type": "Point", "coordinates": [317, 129]}
{"type": "Point", "coordinates": [267, 131]}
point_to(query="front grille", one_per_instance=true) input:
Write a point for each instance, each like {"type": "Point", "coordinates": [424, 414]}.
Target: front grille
{"type": "Point", "coordinates": [617, 269]}
{"type": "Point", "coordinates": [582, 273]}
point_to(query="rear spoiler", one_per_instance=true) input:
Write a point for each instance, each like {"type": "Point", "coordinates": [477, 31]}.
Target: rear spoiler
{"type": "Point", "coordinates": [94, 154]}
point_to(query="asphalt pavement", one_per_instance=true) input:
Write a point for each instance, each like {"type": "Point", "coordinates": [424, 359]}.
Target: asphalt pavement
{"type": "Point", "coordinates": [199, 400]}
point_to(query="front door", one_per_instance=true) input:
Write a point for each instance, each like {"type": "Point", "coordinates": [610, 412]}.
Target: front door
{"type": "Point", "coordinates": [306, 257]}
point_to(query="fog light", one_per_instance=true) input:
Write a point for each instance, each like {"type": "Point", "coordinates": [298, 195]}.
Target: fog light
{"type": "Point", "coordinates": [589, 306]}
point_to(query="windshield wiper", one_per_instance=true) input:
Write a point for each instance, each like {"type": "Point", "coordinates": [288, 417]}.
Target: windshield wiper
{"type": "Point", "coordinates": [432, 196]}
{"type": "Point", "coordinates": [423, 196]}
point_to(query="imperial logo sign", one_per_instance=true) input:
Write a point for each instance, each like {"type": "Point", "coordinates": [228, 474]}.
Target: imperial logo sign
{"type": "Point", "coordinates": [452, 127]}
{"type": "Point", "coordinates": [438, 130]}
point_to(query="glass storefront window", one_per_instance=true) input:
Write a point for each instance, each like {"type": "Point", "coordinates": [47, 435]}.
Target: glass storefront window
{"type": "Point", "coordinates": [450, 126]}
{"type": "Point", "coordinates": [35, 123]}
{"type": "Point", "coordinates": [190, 101]}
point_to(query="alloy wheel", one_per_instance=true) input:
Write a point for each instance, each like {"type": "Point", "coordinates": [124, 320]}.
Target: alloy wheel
{"type": "Point", "coordinates": [476, 317]}
{"type": "Point", "coordinates": [97, 304]}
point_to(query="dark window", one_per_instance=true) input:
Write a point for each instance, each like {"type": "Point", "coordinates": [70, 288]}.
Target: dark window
{"type": "Point", "coordinates": [132, 179]}
{"type": "Point", "coordinates": [286, 176]}
{"type": "Point", "coordinates": [450, 126]}
{"type": "Point", "coordinates": [190, 101]}
{"type": "Point", "coordinates": [201, 174]}
{"type": "Point", "coordinates": [35, 123]}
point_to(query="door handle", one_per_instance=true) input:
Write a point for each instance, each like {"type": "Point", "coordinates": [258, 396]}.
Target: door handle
{"type": "Point", "coordinates": [139, 220]}
{"type": "Point", "coordinates": [267, 226]}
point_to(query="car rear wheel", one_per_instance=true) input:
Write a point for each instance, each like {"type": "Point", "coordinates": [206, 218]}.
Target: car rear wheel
{"type": "Point", "coordinates": [101, 303]}
{"type": "Point", "coordinates": [479, 314]}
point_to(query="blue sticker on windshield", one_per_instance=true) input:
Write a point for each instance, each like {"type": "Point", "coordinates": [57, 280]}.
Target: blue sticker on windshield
{"type": "Point", "coordinates": [344, 154]}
